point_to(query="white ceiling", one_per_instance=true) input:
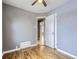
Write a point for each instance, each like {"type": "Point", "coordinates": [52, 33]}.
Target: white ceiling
{"type": "Point", "coordinates": [37, 8]}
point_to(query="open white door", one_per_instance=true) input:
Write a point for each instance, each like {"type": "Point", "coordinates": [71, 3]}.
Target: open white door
{"type": "Point", "coordinates": [50, 31]}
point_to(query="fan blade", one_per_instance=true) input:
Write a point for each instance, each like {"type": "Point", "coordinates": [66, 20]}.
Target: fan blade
{"type": "Point", "coordinates": [44, 3]}
{"type": "Point", "coordinates": [34, 2]}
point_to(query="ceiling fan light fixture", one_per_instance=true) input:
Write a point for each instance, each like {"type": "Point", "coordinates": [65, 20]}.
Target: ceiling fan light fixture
{"type": "Point", "coordinates": [40, 1]}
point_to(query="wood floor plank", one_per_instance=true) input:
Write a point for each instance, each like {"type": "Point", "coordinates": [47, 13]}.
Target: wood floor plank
{"type": "Point", "coordinates": [37, 52]}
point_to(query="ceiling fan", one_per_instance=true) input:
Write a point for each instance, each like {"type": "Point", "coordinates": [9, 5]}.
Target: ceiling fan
{"type": "Point", "coordinates": [40, 1]}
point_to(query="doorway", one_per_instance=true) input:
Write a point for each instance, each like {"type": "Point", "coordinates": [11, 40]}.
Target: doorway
{"type": "Point", "coordinates": [47, 31]}
{"type": "Point", "coordinates": [41, 23]}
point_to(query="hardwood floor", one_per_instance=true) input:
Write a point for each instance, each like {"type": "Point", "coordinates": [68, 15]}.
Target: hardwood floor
{"type": "Point", "coordinates": [37, 52]}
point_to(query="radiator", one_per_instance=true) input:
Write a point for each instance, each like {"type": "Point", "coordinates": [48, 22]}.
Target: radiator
{"type": "Point", "coordinates": [25, 44]}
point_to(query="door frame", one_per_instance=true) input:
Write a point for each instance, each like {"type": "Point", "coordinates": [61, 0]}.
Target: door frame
{"type": "Point", "coordinates": [55, 28]}
{"type": "Point", "coordinates": [37, 18]}
{"type": "Point", "coordinates": [38, 27]}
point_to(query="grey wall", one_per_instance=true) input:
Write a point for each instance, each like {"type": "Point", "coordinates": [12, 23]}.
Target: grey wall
{"type": "Point", "coordinates": [67, 27]}
{"type": "Point", "coordinates": [14, 18]}
{"type": "Point", "coordinates": [18, 26]}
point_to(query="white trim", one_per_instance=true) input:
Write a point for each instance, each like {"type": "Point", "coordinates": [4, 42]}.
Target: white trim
{"type": "Point", "coordinates": [55, 15]}
{"type": "Point", "coordinates": [64, 52]}
{"type": "Point", "coordinates": [37, 17]}
{"type": "Point", "coordinates": [37, 27]}
{"type": "Point", "coordinates": [36, 30]}
{"type": "Point", "coordinates": [40, 17]}
{"type": "Point", "coordinates": [9, 51]}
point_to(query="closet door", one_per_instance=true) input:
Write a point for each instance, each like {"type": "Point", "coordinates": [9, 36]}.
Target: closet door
{"type": "Point", "coordinates": [49, 31]}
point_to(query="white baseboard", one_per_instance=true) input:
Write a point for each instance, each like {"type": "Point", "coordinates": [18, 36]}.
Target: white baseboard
{"type": "Point", "coordinates": [64, 52]}
{"type": "Point", "coordinates": [9, 51]}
